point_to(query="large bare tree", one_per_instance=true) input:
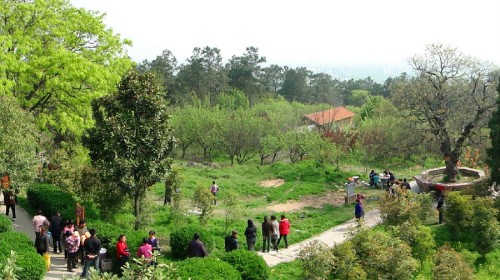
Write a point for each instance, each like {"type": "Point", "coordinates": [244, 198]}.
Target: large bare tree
{"type": "Point", "coordinates": [452, 94]}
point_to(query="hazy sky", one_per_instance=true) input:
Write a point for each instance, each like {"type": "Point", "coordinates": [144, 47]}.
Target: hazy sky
{"type": "Point", "coordinates": [305, 32]}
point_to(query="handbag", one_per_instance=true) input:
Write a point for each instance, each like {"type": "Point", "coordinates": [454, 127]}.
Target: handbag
{"type": "Point", "coordinates": [46, 257]}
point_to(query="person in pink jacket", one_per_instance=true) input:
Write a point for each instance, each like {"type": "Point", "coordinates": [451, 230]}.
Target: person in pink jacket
{"type": "Point", "coordinates": [284, 230]}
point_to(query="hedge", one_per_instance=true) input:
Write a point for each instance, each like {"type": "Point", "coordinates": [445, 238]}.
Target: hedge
{"type": "Point", "coordinates": [5, 223]}
{"type": "Point", "coordinates": [250, 265]}
{"type": "Point", "coordinates": [180, 238]}
{"type": "Point", "coordinates": [32, 264]}
{"type": "Point", "coordinates": [206, 268]}
{"type": "Point", "coordinates": [49, 199]}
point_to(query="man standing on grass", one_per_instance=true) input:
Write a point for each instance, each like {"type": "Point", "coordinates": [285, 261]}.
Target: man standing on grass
{"type": "Point", "coordinates": [214, 189]}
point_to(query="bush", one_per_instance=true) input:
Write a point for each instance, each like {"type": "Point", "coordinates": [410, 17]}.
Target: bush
{"type": "Point", "coordinates": [32, 264]}
{"type": "Point", "coordinates": [317, 260]}
{"type": "Point", "coordinates": [49, 199]}
{"type": "Point", "coordinates": [250, 265]}
{"type": "Point", "coordinates": [451, 265]}
{"type": "Point", "coordinates": [206, 268]}
{"type": "Point", "coordinates": [180, 238]}
{"type": "Point", "coordinates": [458, 214]}
{"type": "Point", "coordinates": [347, 265]}
{"type": "Point", "coordinates": [419, 238]}
{"type": "Point", "coordinates": [405, 206]}
{"type": "Point", "coordinates": [5, 223]}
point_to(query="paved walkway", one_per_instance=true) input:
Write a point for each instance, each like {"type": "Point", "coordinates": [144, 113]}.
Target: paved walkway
{"type": "Point", "coordinates": [23, 224]}
{"type": "Point", "coordinates": [330, 237]}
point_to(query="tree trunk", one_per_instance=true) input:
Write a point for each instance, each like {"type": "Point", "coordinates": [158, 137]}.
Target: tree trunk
{"type": "Point", "coordinates": [137, 210]}
{"type": "Point", "coordinates": [451, 171]}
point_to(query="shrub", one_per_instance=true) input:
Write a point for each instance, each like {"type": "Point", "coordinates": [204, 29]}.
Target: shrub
{"type": "Point", "coordinates": [347, 265]}
{"type": "Point", "coordinates": [206, 268]}
{"type": "Point", "coordinates": [250, 265]}
{"type": "Point", "coordinates": [418, 237]}
{"type": "Point", "coordinates": [450, 265]}
{"type": "Point", "coordinates": [49, 199]}
{"type": "Point", "coordinates": [383, 256]}
{"type": "Point", "coordinates": [180, 238]}
{"type": "Point", "coordinates": [5, 223]}
{"type": "Point", "coordinates": [485, 226]}
{"type": "Point", "coordinates": [32, 264]}
{"type": "Point", "coordinates": [317, 260]}
{"type": "Point", "coordinates": [404, 206]}
{"type": "Point", "coordinates": [458, 213]}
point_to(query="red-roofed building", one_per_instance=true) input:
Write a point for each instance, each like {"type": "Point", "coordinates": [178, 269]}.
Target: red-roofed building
{"type": "Point", "coordinates": [331, 118]}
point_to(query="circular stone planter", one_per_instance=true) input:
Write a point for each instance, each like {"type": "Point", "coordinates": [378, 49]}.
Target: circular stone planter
{"type": "Point", "coordinates": [425, 185]}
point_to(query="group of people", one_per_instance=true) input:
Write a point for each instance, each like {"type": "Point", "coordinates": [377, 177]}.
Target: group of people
{"type": "Point", "coordinates": [391, 181]}
{"type": "Point", "coordinates": [81, 244]}
{"type": "Point", "coordinates": [273, 231]}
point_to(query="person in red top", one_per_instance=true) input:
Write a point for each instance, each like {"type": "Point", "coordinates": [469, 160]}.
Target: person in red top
{"type": "Point", "coordinates": [122, 252]}
{"type": "Point", "coordinates": [284, 230]}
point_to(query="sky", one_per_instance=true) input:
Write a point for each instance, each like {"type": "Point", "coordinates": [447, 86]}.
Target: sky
{"type": "Point", "coordinates": [301, 33]}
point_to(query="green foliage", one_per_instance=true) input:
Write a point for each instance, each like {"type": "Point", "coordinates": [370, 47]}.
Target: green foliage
{"type": "Point", "coordinates": [404, 206]}
{"type": "Point", "coordinates": [9, 270]}
{"type": "Point", "coordinates": [31, 264]}
{"type": "Point", "coordinates": [489, 269]}
{"type": "Point", "coordinates": [50, 198]}
{"type": "Point", "coordinates": [418, 237]}
{"type": "Point", "coordinates": [5, 223]}
{"type": "Point", "coordinates": [450, 265]}
{"type": "Point", "coordinates": [18, 144]}
{"type": "Point", "coordinates": [207, 268]}
{"type": "Point", "coordinates": [138, 269]}
{"type": "Point", "coordinates": [383, 256]}
{"type": "Point", "coordinates": [485, 226]}
{"type": "Point", "coordinates": [493, 159]}
{"type": "Point", "coordinates": [57, 58]}
{"type": "Point", "coordinates": [232, 209]}
{"type": "Point", "coordinates": [131, 141]}
{"type": "Point", "coordinates": [250, 265]}
{"type": "Point", "coordinates": [204, 200]}
{"type": "Point", "coordinates": [458, 213]}
{"type": "Point", "coordinates": [286, 271]}
{"type": "Point", "coordinates": [347, 265]}
{"type": "Point", "coordinates": [317, 260]}
{"type": "Point", "coordinates": [181, 236]}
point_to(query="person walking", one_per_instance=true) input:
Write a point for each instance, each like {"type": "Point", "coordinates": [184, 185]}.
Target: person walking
{"type": "Point", "coordinates": [266, 233]}
{"type": "Point", "coordinates": [69, 227]}
{"type": "Point", "coordinates": [10, 203]}
{"type": "Point", "coordinates": [38, 221]}
{"type": "Point", "coordinates": [56, 227]}
{"type": "Point", "coordinates": [275, 232]}
{"type": "Point", "coordinates": [122, 252]}
{"type": "Point", "coordinates": [251, 235]}
{"type": "Point", "coordinates": [358, 210]}
{"type": "Point", "coordinates": [72, 245]}
{"type": "Point", "coordinates": [84, 234]}
{"type": "Point", "coordinates": [214, 189]}
{"type": "Point", "coordinates": [284, 227]}
{"type": "Point", "coordinates": [196, 248]}
{"type": "Point", "coordinates": [231, 241]}
{"type": "Point", "coordinates": [440, 209]}
{"type": "Point", "coordinates": [42, 241]}
{"type": "Point", "coordinates": [5, 183]}
{"type": "Point", "coordinates": [92, 246]}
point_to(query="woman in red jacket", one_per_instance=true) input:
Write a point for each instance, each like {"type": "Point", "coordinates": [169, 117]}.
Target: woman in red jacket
{"type": "Point", "coordinates": [122, 251]}
{"type": "Point", "coordinates": [284, 230]}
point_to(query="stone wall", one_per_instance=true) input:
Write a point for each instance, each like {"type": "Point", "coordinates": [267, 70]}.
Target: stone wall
{"type": "Point", "coordinates": [425, 185]}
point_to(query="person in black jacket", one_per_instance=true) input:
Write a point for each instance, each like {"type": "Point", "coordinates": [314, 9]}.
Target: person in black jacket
{"type": "Point", "coordinates": [56, 227]}
{"type": "Point", "coordinates": [251, 235]}
{"type": "Point", "coordinates": [91, 246]}
{"type": "Point", "coordinates": [231, 241]}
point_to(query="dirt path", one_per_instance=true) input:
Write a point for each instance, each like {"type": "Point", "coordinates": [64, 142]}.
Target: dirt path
{"type": "Point", "coordinates": [316, 201]}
